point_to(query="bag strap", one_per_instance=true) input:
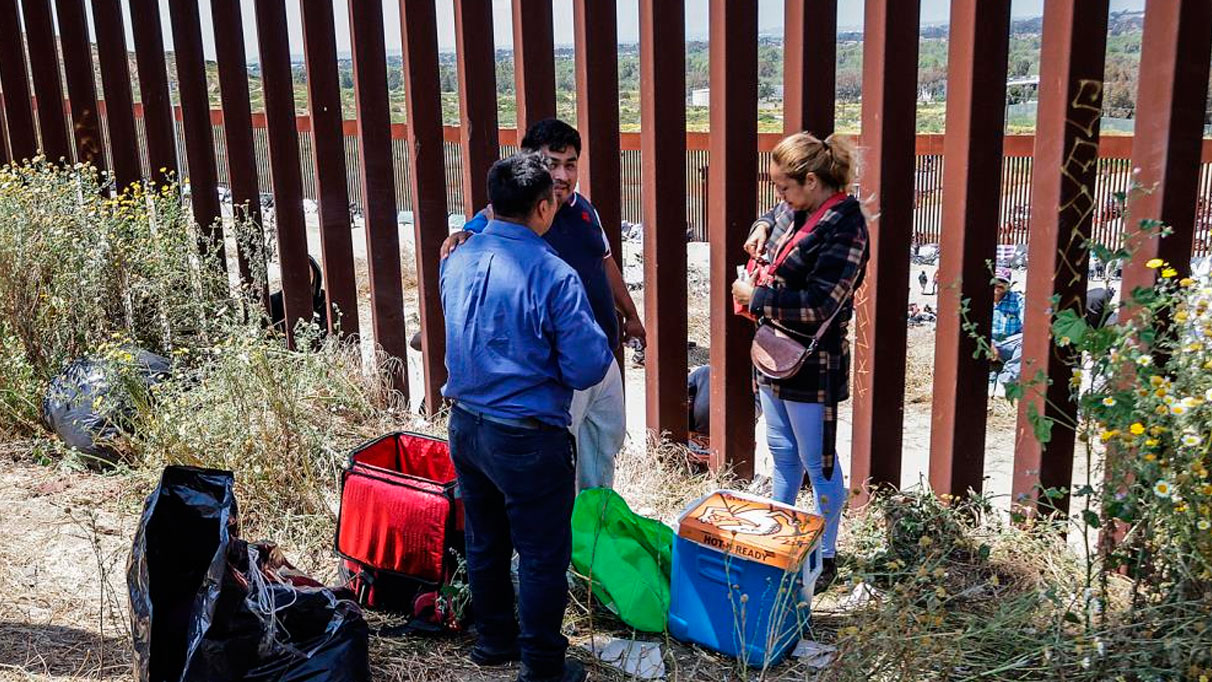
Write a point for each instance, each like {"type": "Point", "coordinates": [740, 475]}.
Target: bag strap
{"type": "Point", "coordinates": [820, 330]}
{"type": "Point", "coordinates": [792, 239]}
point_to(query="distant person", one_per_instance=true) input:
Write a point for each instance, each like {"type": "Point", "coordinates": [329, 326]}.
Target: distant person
{"type": "Point", "coordinates": [922, 281]}
{"type": "Point", "coordinates": [520, 338]}
{"type": "Point", "coordinates": [698, 394]}
{"type": "Point", "coordinates": [319, 302]}
{"type": "Point", "coordinates": [934, 284]}
{"type": "Point", "coordinates": [1100, 307]}
{"type": "Point", "coordinates": [1007, 331]}
{"type": "Point", "coordinates": [599, 418]}
{"type": "Point", "coordinates": [1098, 269]}
{"type": "Point", "coordinates": [815, 241]}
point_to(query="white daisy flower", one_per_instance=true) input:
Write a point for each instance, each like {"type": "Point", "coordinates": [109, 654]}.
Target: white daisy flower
{"type": "Point", "coordinates": [1162, 488]}
{"type": "Point", "coordinates": [1191, 440]}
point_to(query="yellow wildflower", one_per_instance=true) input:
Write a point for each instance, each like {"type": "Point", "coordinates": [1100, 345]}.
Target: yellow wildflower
{"type": "Point", "coordinates": [1153, 264]}
{"type": "Point", "coordinates": [1149, 457]}
{"type": "Point", "coordinates": [1137, 429]}
{"type": "Point", "coordinates": [1169, 272]}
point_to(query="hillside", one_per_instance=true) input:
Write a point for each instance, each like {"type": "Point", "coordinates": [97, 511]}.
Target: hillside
{"type": "Point", "coordinates": [1123, 58]}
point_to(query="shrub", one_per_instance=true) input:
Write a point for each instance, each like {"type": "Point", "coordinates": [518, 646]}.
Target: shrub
{"type": "Point", "coordinates": [78, 267]}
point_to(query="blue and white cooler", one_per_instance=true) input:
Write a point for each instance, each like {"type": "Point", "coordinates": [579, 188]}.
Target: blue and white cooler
{"type": "Point", "coordinates": [743, 571]}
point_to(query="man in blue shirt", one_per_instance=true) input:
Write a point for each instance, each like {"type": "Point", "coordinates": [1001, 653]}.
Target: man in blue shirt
{"type": "Point", "coordinates": [1007, 332]}
{"type": "Point", "coordinates": [599, 417]}
{"type": "Point", "coordinates": [520, 338]}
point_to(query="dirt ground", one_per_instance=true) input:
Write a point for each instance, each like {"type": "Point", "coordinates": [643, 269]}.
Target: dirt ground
{"type": "Point", "coordinates": [65, 538]}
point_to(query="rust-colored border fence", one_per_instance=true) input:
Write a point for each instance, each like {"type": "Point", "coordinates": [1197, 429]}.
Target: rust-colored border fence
{"type": "Point", "coordinates": [1114, 177]}
{"type": "Point", "coordinates": [970, 190]}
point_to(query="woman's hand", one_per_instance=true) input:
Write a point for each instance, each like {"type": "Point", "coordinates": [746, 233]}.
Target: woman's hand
{"type": "Point", "coordinates": [742, 292]}
{"type": "Point", "coordinates": [757, 240]}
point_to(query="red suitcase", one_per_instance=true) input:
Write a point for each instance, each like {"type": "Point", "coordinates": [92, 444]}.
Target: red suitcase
{"type": "Point", "coordinates": [400, 527]}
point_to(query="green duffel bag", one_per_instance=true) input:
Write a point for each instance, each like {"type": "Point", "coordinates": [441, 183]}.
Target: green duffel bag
{"type": "Point", "coordinates": [626, 557]}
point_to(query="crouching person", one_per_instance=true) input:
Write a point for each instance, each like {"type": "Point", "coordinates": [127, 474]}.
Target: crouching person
{"type": "Point", "coordinates": [520, 338]}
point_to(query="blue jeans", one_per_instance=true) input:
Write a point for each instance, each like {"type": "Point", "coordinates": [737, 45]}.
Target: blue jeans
{"type": "Point", "coordinates": [795, 434]}
{"type": "Point", "coordinates": [1010, 351]}
{"type": "Point", "coordinates": [517, 486]}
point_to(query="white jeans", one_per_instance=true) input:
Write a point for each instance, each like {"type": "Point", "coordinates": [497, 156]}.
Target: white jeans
{"type": "Point", "coordinates": [599, 425]}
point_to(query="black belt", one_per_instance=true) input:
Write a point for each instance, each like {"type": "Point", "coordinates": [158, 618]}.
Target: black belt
{"type": "Point", "coordinates": [529, 423]}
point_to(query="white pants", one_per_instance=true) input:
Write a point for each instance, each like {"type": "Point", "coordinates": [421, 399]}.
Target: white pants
{"type": "Point", "coordinates": [599, 425]}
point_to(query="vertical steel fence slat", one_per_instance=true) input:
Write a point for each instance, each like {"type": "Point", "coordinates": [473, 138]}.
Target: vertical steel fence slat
{"type": "Point", "coordinates": [809, 66]}
{"type": "Point", "coordinates": [478, 134]}
{"type": "Point", "coordinates": [733, 30]}
{"type": "Point", "coordinates": [122, 134]}
{"type": "Point", "coordinates": [327, 160]}
{"type": "Point", "coordinates": [278, 88]}
{"type": "Point", "coordinates": [378, 184]}
{"type": "Point", "coordinates": [199, 134]}
{"type": "Point", "coordinates": [153, 89]}
{"type": "Point", "coordinates": [663, 169]}
{"type": "Point", "coordinates": [976, 96]}
{"type": "Point", "coordinates": [81, 82]}
{"type": "Point", "coordinates": [427, 176]}
{"type": "Point", "coordinates": [1063, 204]}
{"type": "Point", "coordinates": [1167, 146]}
{"type": "Point", "coordinates": [533, 62]}
{"type": "Point", "coordinates": [889, 116]}
{"type": "Point", "coordinates": [595, 25]}
{"type": "Point", "coordinates": [44, 67]}
{"type": "Point", "coordinates": [239, 144]}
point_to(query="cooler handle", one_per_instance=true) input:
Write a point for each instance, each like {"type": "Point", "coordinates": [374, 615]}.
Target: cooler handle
{"type": "Point", "coordinates": [714, 568]}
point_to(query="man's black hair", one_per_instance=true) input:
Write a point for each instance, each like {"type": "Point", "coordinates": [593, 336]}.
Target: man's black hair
{"type": "Point", "coordinates": [552, 133]}
{"type": "Point", "coordinates": [518, 183]}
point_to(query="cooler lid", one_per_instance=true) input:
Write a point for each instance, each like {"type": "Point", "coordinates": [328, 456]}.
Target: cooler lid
{"type": "Point", "coordinates": [751, 527]}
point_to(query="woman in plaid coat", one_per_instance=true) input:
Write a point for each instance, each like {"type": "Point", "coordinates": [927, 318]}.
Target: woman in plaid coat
{"type": "Point", "coordinates": [811, 277]}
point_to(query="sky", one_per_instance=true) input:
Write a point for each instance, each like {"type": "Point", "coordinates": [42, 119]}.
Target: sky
{"type": "Point", "coordinates": [770, 20]}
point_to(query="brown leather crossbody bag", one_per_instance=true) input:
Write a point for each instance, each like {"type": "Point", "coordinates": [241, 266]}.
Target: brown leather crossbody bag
{"type": "Point", "coordinates": [777, 354]}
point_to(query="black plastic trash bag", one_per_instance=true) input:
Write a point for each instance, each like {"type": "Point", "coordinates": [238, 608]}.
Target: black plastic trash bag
{"type": "Point", "coordinates": [206, 605]}
{"type": "Point", "coordinates": [85, 408]}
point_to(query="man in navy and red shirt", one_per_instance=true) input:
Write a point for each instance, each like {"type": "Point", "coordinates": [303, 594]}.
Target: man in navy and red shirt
{"type": "Point", "coordinates": [599, 420]}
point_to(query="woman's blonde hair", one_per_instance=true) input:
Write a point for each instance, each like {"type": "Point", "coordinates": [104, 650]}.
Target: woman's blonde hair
{"type": "Point", "coordinates": [831, 159]}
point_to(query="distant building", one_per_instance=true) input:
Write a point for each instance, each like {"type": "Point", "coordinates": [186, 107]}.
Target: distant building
{"type": "Point", "coordinates": [700, 97]}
